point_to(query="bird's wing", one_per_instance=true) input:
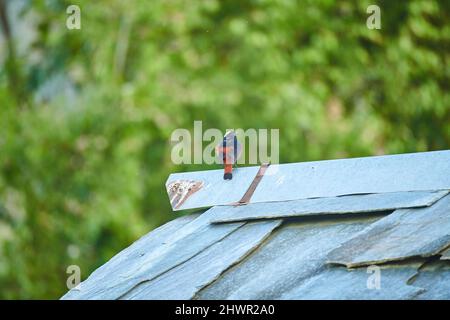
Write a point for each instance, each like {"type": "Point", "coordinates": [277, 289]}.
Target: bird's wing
{"type": "Point", "coordinates": [219, 153]}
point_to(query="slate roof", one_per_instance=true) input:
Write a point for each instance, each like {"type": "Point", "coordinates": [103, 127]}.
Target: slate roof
{"type": "Point", "coordinates": [314, 230]}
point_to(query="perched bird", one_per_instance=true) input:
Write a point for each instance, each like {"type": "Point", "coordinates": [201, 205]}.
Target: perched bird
{"type": "Point", "coordinates": [228, 152]}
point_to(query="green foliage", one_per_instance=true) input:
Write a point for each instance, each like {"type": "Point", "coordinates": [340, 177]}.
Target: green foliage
{"type": "Point", "coordinates": [86, 115]}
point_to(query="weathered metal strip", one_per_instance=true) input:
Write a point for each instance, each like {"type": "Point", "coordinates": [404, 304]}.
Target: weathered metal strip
{"type": "Point", "coordinates": [382, 174]}
{"type": "Point", "coordinates": [326, 206]}
{"type": "Point", "coordinates": [151, 257]}
{"type": "Point", "coordinates": [251, 189]}
{"type": "Point", "coordinates": [184, 281]}
{"type": "Point", "coordinates": [406, 233]}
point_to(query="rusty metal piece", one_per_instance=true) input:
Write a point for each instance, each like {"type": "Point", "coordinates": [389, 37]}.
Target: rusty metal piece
{"type": "Point", "coordinates": [180, 190]}
{"type": "Point", "coordinates": [251, 189]}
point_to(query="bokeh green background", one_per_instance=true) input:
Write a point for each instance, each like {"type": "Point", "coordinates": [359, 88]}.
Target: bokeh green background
{"type": "Point", "coordinates": [86, 115]}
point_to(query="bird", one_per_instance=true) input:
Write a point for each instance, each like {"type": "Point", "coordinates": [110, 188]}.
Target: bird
{"type": "Point", "coordinates": [228, 152]}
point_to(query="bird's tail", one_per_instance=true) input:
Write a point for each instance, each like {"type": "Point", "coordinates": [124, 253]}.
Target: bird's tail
{"type": "Point", "coordinates": [228, 175]}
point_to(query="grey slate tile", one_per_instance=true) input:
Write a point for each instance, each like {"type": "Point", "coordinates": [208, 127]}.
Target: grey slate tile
{"type": "Point", "coordinates": [294, 252]}
{"type": "Point", "coordinates": [188, 278]}
{"type": "Point", "coordinates": [334, 282]}
{"type": "Point", "coordinates": [435, 279]}
{"type": "Point", "coordinates": [382, 174]}
{"type": "Point", "coordinates": [159, 256]}
{"type": "Point", "coordinates": [406, 233]}
{"type": "Point", "coordinates": [333, 205]}
{"type": "Point", "coordinates": [114, 266]}
{"type": "Point", "coordinates": [445, 255]}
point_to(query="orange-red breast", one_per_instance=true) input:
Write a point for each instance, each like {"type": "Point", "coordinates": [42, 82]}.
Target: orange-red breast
{"type": "Point", "coordinates": [228, 152]}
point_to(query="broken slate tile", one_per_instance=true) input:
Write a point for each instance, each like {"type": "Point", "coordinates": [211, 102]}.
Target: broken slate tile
{"type": "Point", "coordinates": [434, 277]}
{"type": "Point", "coordinates": [115, 265]}
{"type": "Point", "coordinates": [445, 255]}
{"type": "Point", "coordinates": [387, 282]}
{"type": "Point", "coordinates": [406, 233]}
{"type": "Point", "coordinates": [158, 256]}
{"type": "Point", "coordinates": [293, 253]}
{"type": "Point", "coordinates": [185, 280]}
